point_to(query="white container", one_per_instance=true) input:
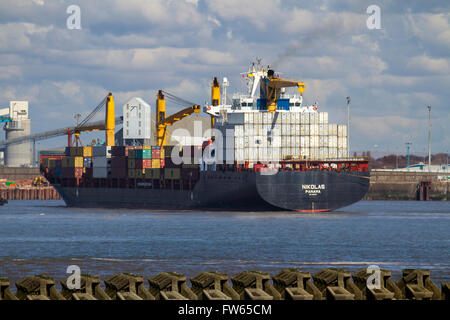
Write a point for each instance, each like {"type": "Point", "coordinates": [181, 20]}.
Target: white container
{"type": "Point", "coordinates": [304, 141]}
{"type": "Point", "coordinates": [246, 154]}
{"type": "Point", "coordinates": [323, 141]}
{"type": "Point", "coordinates": [342, 142]}
{"type": "Point", "coordinates": [257, 118]}
{"type": "Point", "coordinates": [323, 117]}
{"type": "Point", "coordinates": [314, 130]}
{"type": "Point", "coordinates": [304, 118]}
{"type": "Point", "coordinates": [332, 129]}
{"type": "Point", "coordinates": [304, 129]}
{"type": "Point", "coordinates": [248, 129]}
{"type": "Point", "coordinates": [304, 153]}
{"type": "Point", "coordinates": [297, 141]}
{"type": "Point", "coordinates": [342, 130]}
{"type": "Point", "coordinates": [285, 118]}
{"type": "Point", "coordinates": [101, 162]}
{"type": "Point", "coordinates": [342, 152]}
{"type": "Point", "coordinates": [247, 118]}
{"type": "Point", "coordinates": [313, 141]}
{"type": "Point", "coordinates": [101, 172]}
{"type": "Point", "coordinates": [332, 153]}
{"type": "Point", "coordinates": [284, 141]}
{"type": "Point", "coordinates": [323, 153]}
{"type": "Point", "coordinates": [276, 141]}
{"type": "Point", "coordinates": [332, 141]}
{"type": "Point", "coordinates": [314, 118]}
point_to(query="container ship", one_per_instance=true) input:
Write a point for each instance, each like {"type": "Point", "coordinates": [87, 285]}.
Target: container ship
{"type": "Point", "coordinates": [266, 152]}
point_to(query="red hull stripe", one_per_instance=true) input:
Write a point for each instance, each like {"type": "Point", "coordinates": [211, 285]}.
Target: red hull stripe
{"type": "Point", "coordinates": [318, 210]}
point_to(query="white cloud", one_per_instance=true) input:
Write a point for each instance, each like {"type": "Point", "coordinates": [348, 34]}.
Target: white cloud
{"type": "Point", "coordinates": [430, 65]}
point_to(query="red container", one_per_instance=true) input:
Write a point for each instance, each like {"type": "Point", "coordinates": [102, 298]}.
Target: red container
{"type": "Point", "coordinates": [119, 162]}
{"type": "Point", "coordinates": [72, 172]}
{"type": "Point", "coordinates": [119, 173]}
{"type": "Point", "coordinates": [156, 153]}
{"type": "Point", "coordinates": [163, 163]}
{"type": "Point", "coordinates": [143, 163]}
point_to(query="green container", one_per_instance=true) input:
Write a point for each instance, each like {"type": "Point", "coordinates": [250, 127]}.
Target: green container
{"type": "Point", "coordinates": [8, 183]}
{"type": "Point", "coordinates": [143, 153]}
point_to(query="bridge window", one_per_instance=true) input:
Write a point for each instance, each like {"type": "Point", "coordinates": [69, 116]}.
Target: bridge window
{"type": "Point", "coordinates": [297, 104]}
{"type": "Point", "coordinates": [250, 104]}
{"type": "Point", "coordinates": [291, 104]}
{"type": "Point", "coordinates": [244, 104]}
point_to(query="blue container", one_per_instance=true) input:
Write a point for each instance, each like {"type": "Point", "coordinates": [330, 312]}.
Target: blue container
{"type": "Point", "coordinates": [283, 104]}
{"type": "Point", "coordinates": [67, 151]}
{"type": "Point", "coordinates": [261, 104]}
{"type": "Point", "coordinates": [58, 172]}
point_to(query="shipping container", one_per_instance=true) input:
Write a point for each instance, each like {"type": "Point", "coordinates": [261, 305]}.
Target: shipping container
{"type": "Point", "coordinates": [101, 151]}
{"type": "Point", "coordinates": [152, 173]}
{"type": "Point", "coordinates": [101, 172]}
{"type": "Point", "coordinates": [143, 153]}
{"type": "Point", "coordinates": [119, 162]}
{"type": "Point", "coordinates": [156, 163]}
{"type": "Point", "coordinates": [119, 172]}
{"type": "Point", "coordinates": [304, 129]}
{"type": "Point", "coordinates": [131, 163]}
{"type": "Point", "coordinates": [71, 172]}
{"type": "Point", "coordinates": [332, 129]}
{"type": "Point", "coordinates": [323, 117]}
{"type": "Point", "coordinates": [72, 162]}
{"type": "Point", "coordinates": [342, 130]}
{"type": "Point", "coordinates": [101, 162]}
{"type": "Point", "coordinates": [143, 163]}
{"type": "Point", "coordinates": [172, 173]}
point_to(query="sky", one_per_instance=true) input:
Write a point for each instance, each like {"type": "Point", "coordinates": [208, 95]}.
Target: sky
{"type": "Point", "coordinates": [133, 48]}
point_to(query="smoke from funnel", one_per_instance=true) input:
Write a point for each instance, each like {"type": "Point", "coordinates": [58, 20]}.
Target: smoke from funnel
{"type": "Point", "coordinates": [328, 30]}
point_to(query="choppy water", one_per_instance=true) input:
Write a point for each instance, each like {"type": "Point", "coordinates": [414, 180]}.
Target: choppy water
{"type": "Point", "coordinates": [46, 237]}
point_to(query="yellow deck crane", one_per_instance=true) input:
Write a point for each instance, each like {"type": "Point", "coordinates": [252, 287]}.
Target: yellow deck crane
{"type": "Point", "coordinates": [162, 121]}
{"type": "Point", "coordinates": [109, 126]}
{"type": "Point", "coordinates": [271, 87]}
{"type": "Point", "coordinates": [215, 100]}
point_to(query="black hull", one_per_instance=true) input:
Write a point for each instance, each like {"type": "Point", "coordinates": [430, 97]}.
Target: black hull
{"type": "Point", "coordinates": [244, 191]}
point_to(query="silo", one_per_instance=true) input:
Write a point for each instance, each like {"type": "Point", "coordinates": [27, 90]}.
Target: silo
{"type": "Point", "coordinates": [20, 154]}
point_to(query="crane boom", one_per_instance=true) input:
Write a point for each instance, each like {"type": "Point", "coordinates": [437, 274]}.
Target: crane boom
{"type": "Point", "coordinates": [271, 87]}
{"type": "Point", "coordinates": [162, 121]}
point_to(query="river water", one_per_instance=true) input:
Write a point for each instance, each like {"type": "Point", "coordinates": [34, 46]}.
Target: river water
{"type": "Point", "coordinates": [46, 237]}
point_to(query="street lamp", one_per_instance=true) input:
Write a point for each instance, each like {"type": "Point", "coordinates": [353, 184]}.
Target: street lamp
{"type": "Point", "coordinates": [429, 138]}
{"type": "Point", "coordinates": [348, 127]}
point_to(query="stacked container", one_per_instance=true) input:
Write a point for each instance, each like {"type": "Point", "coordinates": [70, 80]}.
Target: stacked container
{"type": "Point", "coordinates": [101, 162]}
{"type": "Point", "coordinates": [265, 136]}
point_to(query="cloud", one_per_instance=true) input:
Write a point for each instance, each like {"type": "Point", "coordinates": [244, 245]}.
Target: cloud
{"type": "Point", "coordinates": [429, 65]}
{"type": "Point", "coordinates": [136, 47]}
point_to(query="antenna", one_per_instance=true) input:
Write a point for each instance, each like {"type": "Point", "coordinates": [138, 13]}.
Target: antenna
{"type": "Point", "coordinates": [408, 146]}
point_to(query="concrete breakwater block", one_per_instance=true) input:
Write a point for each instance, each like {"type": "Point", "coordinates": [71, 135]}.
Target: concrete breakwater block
{"type": "Point", "coordinates": [417, 285]}
{"type": "Point", "coordinates": [337, 284]}
{"type": "Point", "coordinates": [255, 285]}
{"type": "Point", "coordinates": [288, 284]}
{"type": "Point", "coordinates": [294, 284]}
{"type": "Point", "coordinates": [213, 286]}
{"type": "Point", "coordinates": [387, 290]}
